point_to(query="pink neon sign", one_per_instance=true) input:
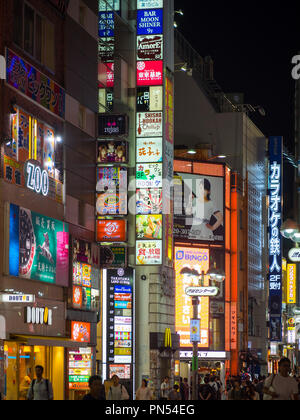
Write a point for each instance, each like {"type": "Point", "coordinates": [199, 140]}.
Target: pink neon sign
{"type": "Point", "coordinates": [149, 73]}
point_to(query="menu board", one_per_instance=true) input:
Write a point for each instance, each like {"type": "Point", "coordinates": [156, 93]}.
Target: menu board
{"type": "Point", "coordinates": [120, 319]}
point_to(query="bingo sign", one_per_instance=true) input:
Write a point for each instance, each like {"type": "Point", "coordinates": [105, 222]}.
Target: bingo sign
{"type": "Point", "coordinates": [149, 22]}
{"type": "Point", "coordinates": [275, 241]}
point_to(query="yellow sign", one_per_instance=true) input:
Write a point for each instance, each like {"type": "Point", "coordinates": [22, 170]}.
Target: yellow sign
{"type": "Point", "coordinates": [168, 338]}
{"type": "Point", "coordinates": [291, 283]}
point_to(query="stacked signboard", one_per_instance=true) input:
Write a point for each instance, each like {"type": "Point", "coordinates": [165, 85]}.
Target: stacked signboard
{"type": "Point", "coordinates": [149, 132]}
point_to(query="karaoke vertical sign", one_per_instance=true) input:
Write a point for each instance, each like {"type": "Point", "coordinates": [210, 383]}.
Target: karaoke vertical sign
{"type": "Point", "coordinates": [275, 239]}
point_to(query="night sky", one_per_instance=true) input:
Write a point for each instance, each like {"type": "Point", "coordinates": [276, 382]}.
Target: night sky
{"type": "Point", "coordinates": [252, 45]}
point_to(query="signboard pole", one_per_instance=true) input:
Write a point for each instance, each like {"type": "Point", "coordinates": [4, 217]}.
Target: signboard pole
{"type": "Point", "coordinates": [195, 301]}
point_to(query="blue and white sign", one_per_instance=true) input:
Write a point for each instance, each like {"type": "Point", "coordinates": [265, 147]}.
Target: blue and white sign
{"type": "Point", "coordinates": [150, 22]}
{"type": "Point", "coordinates": [150, 4]}
{"type": "Point", "coordinates": [195, 331]}
{"type": "Point", "coordinates": [275, 240]}
{"type": "Point", "coordinates": [106, 24]}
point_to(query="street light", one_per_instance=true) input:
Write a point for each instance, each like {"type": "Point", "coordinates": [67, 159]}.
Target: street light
{"type": "Point", "coordinates": [289, 228]}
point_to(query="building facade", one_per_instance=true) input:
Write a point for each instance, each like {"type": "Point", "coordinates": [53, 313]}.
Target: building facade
{"type": "Point", "coordinates": [50, 266]}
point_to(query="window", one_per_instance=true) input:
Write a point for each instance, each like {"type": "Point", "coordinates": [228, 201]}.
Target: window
{"type": "Point", "coordinates": [29, 30]}
{"type": "Point", "coordinates": [35, 34]}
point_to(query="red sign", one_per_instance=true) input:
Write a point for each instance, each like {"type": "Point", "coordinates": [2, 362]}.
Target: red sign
{"type": "Point", "coordinates": [149, 73]}
{"type": "Point", "coordinates": [111, 231]}
{"type": "Point", "coordinates": [80, 332]}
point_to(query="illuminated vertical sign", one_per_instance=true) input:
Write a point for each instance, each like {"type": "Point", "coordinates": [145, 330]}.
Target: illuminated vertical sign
{"type": "Point", "coordinates": [291, 283]}
{"type": "Point", "coordinates": [275, 241]}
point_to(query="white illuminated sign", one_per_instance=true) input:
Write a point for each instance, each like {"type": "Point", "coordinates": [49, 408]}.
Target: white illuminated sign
{"type": "Point", "coordinates": [218, 355]}
{"type": "Point", "coordinates": [37, 180]}
{"type": "Point", "coordinates": [294, 255]}
{"type": "Point", "coordinates": [202, 291]}
{"type": "Point", "coordinates": [17, 298]}
{"type": "Point", "coordinates": [38, 316]}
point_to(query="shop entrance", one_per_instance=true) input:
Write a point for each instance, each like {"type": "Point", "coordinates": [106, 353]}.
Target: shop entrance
{"type": "Point", "coordinates": [19, 367]}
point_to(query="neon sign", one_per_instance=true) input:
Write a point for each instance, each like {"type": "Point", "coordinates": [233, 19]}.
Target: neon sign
{"type": "Point", "coordinates": [275, 241]}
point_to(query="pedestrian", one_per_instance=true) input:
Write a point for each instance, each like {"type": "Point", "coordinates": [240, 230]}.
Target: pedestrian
{"type": "Point", "coordinates": [144, 393]}
{"type": "Point", "coordinates": [97, 390]}
{"type": "Point", "coordinates": [117, 392]}
{"type": "Point", "coordinates": [281, 387]}
{"type": "Point", "coordinates": [205, 392]}
{"type": "Point", "coordinates": [174, 395]}
{"type": "Point", "coordinates": [235, 394]}
{"type": "Point", "coordinates": [186, 389]}
{"type": "Point", "coordinates": [251, 394]}
{"type": "Point", "coordinates": [165, 388]}
{"type": "Point", "coordinates": [40, 388]}
{"type": "Point", "coordinates": [181, 389]}
{"type": "Point", "coordinates": [260, 386]}
{"type": "Point", "coordinates": [214, 387]}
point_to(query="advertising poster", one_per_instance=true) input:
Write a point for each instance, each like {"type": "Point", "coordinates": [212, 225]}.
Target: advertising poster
{"type": "Point", "coordinates": [34, 84]}
{"type": "Point", "coordinates": [111, 231]}
{"type": "Point", "coordinates": [149, 124]}
{"type": "Point", "coordinates": [111, 204]}
{"type": "Point", "coordinates": [150, 73]}
{"type": "Point", "coordinates": [82, 251]}
{"type": "Point", "coordinates": [199, 208]}
{"type": "Point", "coordinates": [148, 252]}
{"type": "Point", "coordinates": [149, 175]}
{"type": "Point", "coordinates": [106, 49]}
{"type": "Point", "coordinates": [150, 47]}
{"type": "Point", "coordinates": [111, 179]}
{"type": "Point", "coordinates": [112, 125]}
{"type": "Point", "coordinates": [169, 114]}
{"type": "Point", "coordinates": [149, 227]}
{"type": "Point", "coordinates": [149, 22]}
{"type": "Point", "coordinates": [106, 24]}
{"type": "Point", "coordinates": [39, 247]}
{"type": "Point", "coordinates": [80, 368]}
{"type": "Point", "coordinates": [112, 152]}
{"type": "Point", "coordinates": [13, 172]}
{"type": "Point", "coordinates": [149, 98]}
{"type": "Point", "coordinates": [149, 150]}
{"type": "Point", "coordinates": [189, 264]}
{"type": "Point", "coordinates": [81, 332]}
{"type": "Point", "coordinates": [112, 257]}
{"type": "Point", "coordinates": [149, 201]}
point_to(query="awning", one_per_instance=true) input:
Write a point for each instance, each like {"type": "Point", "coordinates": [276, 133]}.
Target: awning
{"type": "Point", "coordinates": [30, 340]}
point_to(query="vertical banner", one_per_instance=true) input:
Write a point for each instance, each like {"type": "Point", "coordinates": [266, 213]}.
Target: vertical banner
{"type": "Point", "coordinates": [275, 240]}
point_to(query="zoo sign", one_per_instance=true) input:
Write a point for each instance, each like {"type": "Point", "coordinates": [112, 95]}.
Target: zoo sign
{"type": "Point", "coordinates": [37, 180]}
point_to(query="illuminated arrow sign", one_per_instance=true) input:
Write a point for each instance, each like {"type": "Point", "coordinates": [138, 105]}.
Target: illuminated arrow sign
{"type": "Point", "coordinates": [202, 291]}
{"type": "Point", "coordinates": [294, 255]}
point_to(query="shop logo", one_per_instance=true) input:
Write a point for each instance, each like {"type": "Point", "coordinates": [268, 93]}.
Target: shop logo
{"type": "Point", "coordinates": [179, 255]}
{"type": "Point", "coordinates": [168, 338]}
{"type": "Point", "coordinates": [38, 316]}
{"type": "Point", "coordinates": [37, 180]}
{"type": "Point", "coordinates": [121, 272]}
{"type": "Point", "coordinates": [2, 68]}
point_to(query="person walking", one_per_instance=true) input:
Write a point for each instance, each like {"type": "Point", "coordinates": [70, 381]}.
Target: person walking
{"type": "Point", "coordinates": [282, 387]}
{"type": "Point", "coordinates": [144, 393]}
{"type": "Point", "coordinates": [165, 388]}
{"type": "Point", "coordinates": [181, 389]}
{"type": "Point", "coordinates": [97, 390]}
{"type": "Point", "coordinates": [117, 392]}
{"type": "Point", "coordinates": [174, 395]}
{"type": "Point", "coordinates": [40, 388]}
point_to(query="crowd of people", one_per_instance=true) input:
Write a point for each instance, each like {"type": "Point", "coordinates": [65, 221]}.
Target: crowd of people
{"type": "Point", "coordinates": [280, 386]}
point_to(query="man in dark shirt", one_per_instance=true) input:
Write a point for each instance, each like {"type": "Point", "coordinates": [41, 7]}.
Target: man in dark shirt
{"type": "Point", "coordinates": [97, 390]}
